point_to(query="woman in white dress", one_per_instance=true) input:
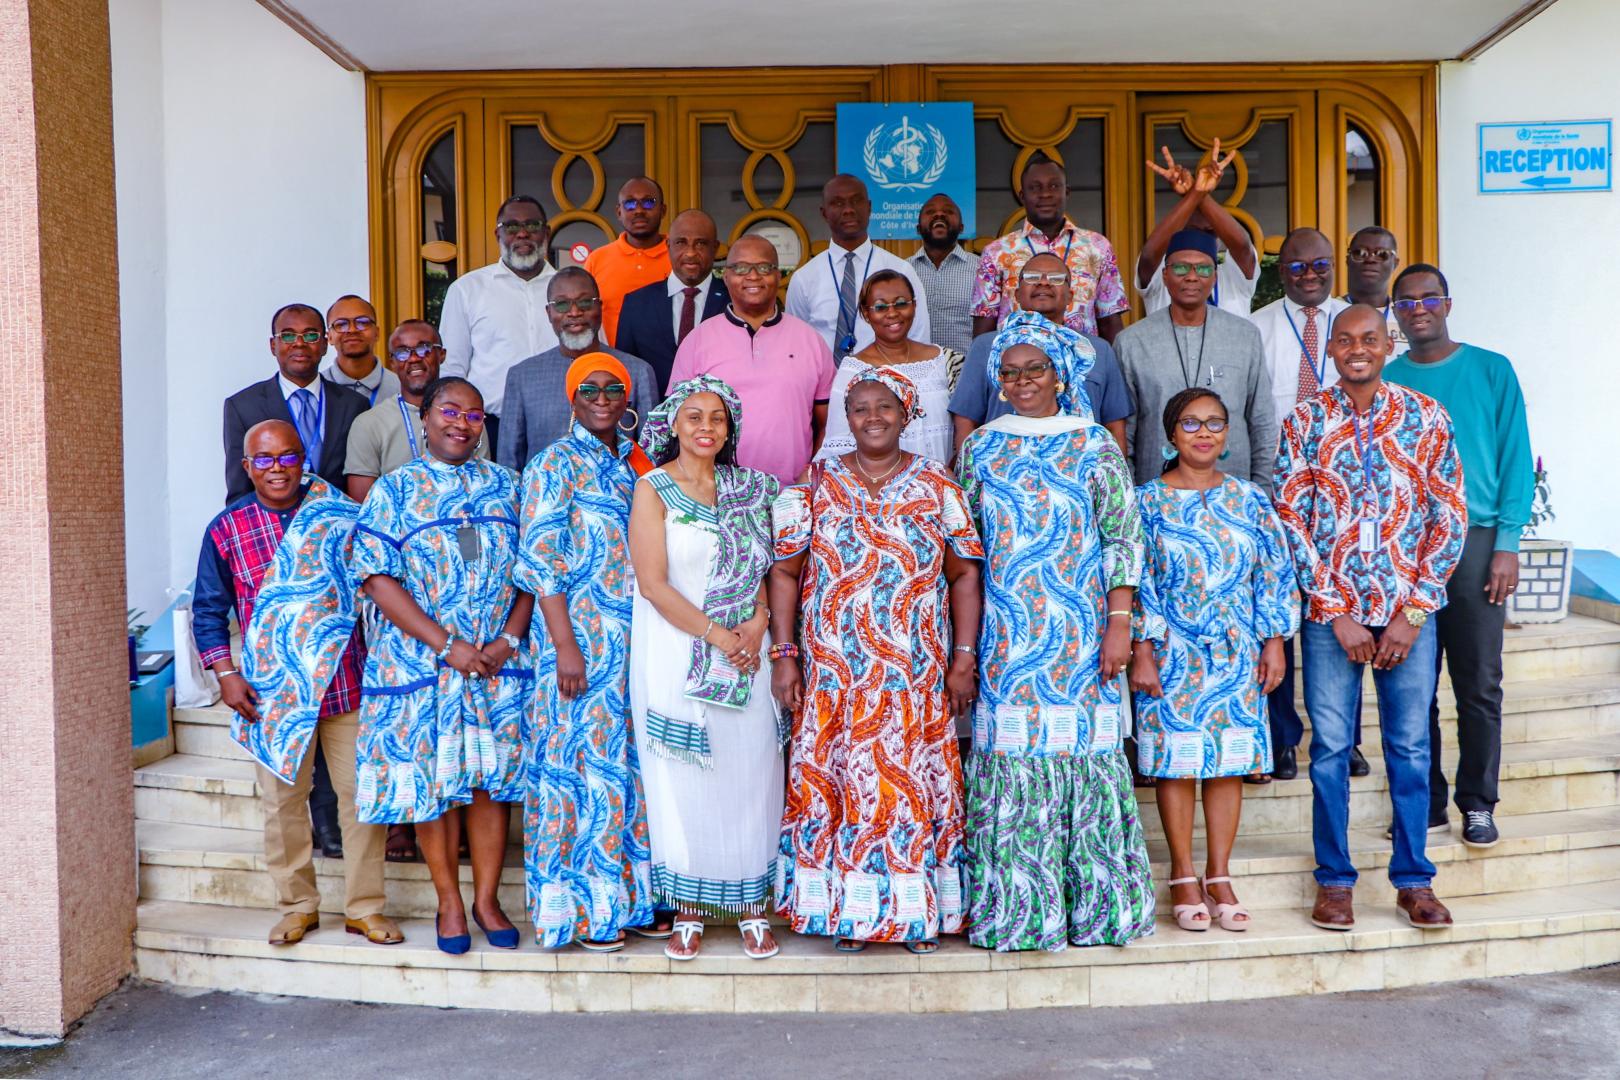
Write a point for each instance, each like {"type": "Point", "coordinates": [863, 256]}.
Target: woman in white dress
{"type": "Point", "coordinates": [708, 736]}
{"type": "Point", "coordinates": [889, 306]}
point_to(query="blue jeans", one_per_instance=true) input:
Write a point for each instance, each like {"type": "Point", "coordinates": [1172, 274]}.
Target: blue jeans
{"type": "Point", "coordinates": [1332, 693]}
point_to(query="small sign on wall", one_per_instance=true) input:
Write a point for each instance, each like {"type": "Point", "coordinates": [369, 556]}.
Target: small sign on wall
{"type": "Point", "coordinates": [907, 152]}
{"type": "Point", "coordinates": [1546, 157]}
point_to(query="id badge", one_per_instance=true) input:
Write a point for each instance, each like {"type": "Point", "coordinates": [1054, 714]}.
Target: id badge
{"type": "Point", "coordinates": [1368, 541]}
{"type": "Point", "coordinates": [467, 541]}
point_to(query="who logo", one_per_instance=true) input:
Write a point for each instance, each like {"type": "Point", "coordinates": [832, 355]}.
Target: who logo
{"type": "Point", "coordinates": [904, 156]}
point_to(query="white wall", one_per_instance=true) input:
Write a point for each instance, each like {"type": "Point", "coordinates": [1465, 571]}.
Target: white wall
{"type": "Point", "coordinates": [1533, 276]}
{"type": "Point", "coordinates": [242, 187]}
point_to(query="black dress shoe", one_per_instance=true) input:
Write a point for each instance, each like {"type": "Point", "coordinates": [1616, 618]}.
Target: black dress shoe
{"type": "Point", "coordinates": [1358, 763]}
{"type": "Point", "coordinates": [1286, 765]}
{"type": "Point", "coordinates": [329, 838]}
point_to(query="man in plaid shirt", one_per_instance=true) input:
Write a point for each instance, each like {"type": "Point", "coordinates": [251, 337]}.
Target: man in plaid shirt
{"type": "Point", "coordinates": [238, 549]}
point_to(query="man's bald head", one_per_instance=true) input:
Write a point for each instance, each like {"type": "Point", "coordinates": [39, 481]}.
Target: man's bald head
{"type": "Point", "coordinates": [753, 293]}
{"type": "Point", "coordinates": [268, 436]}
{"type": "Point", "coordinates": [267, 448]}
{"type": "Point", "coordinates": [751, 248]}
{"type": "Point", "coordinates": [692, 242]}
{"type": "Point", "coordinates": [1359, 344]}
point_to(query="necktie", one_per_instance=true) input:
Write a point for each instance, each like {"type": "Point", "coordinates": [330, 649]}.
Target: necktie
{"type": "Point", "coordinates": [303, 410]}
{"type": "Point", "coordinates": [848, 299]}
{"type": "Point", "coordinates": [1308, 386]}
{"type": "Point", "coordinates": [688, 313]}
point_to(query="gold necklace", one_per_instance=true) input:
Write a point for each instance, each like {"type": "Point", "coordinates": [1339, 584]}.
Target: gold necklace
{"type": "Point", "coordinates": [898, 458]}
{"type": "Point", "coordinates": [905, 359]}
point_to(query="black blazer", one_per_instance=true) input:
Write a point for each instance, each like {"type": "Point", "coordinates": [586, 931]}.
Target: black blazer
{"type": "Point", "coordinates": [263, 401]}
{"type": "Point", "coordinates": [647, 326]}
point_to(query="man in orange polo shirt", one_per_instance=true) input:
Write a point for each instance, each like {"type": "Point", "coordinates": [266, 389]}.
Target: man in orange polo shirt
{"type": "Point", "coordinates": [638, 257]}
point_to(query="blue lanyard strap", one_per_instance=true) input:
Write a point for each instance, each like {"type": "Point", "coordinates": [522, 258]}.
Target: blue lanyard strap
{"type": "Point", "coordinates": [1364, 451]}
{"type": "Point", "coordinates": [838, 291]}
{"type": "Point", "coordinates": [1319, 361]}
{"type": "Point", "coordinates": [1068, 244]}
{"type": "Point", "coordinates": [410, 432]}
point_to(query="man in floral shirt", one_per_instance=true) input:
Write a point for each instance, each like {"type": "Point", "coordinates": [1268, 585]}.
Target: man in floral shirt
{"type": "Point", "coordinates": [1370, 492]}
{"type": "Point", "coordinates": [1099, 302]}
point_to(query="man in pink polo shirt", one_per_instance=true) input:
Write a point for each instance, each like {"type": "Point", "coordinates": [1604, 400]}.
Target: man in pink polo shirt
{"type": "Point", "coordinates": [780, 366]}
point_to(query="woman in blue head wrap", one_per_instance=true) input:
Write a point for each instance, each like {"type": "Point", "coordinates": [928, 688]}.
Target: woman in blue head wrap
{"type": "Point", "coordinates": [1054, 842]}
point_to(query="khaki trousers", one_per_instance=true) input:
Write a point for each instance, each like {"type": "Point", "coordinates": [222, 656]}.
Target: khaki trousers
{"type": "Point", "coordinates": [289, 848]}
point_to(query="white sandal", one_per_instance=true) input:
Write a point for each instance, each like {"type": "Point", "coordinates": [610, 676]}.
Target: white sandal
{"type": "Point", "coordinates": [1226, 914]}
{"type": "Point", "coordinates": [758, 928]}
{"type": "Point", "coordinates": [1187, 915]}
{"type": "Point", "coordinates": [685, 930]}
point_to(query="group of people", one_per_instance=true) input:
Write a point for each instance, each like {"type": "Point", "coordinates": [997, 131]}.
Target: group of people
{"type": "Point", "coordinates": [710, 580]}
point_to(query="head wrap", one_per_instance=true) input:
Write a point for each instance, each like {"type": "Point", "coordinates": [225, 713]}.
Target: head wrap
{"type": "Point", "coordinates": [1071, 354]}
{"type": "Point", "coordinates": [658, 429]}
{"type": "Point", "coordinates": [902, 388]}
{"type": "Point", "coordinates": [1192, 240]}
{"type": "Point", "coordinates": [588, 364]}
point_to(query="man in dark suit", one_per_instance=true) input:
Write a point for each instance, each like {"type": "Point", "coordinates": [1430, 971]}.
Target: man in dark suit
{"type": "Point", "coordinates": [656, 318]}
{"type": "Point", "coordinates": [317, 407]}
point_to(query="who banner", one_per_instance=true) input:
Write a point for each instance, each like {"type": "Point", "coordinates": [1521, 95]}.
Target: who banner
{"type": "Point", "coordinates": [907, 153]}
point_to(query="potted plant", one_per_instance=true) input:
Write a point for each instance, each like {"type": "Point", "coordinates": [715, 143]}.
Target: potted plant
{"type": "Point", "coordinates": [137, 630]}
{"type": "Point", "coordinates": [1544, 565]}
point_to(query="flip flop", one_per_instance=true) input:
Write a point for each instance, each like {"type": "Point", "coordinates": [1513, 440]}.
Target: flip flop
{"type": "Point", "coordinates": [686, 930]}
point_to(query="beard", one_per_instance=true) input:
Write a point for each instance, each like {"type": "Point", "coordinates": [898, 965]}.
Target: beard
{"type": "Point", "coordinates": [522, 263]}
{"type": "Point", "coordinates": [579, 342]}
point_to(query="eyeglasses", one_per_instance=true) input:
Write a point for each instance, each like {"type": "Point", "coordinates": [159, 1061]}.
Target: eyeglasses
{"type": "Point", "coordinates": [639, 204]}
{"type": "Point", "coordinates": [1046, 277]}
{"type": "Point", "coordinates": [265, 461]}
{"type": "Point", "coordinates": [512, 228]}
{"type": "Point", "coordinates": [899, 305]}
{"type": "Point", "coordinates": [750, 269]}
{"type": "Point", "coordinates": [1190, 424]}
{"type": "Point", "coordinates": [584, 303]}
{"type": "Point", "coordinates": [475, 417]}
{"type": "Point", "coordinates": [1298, 267]}
{"type": "Point", "coordinates": [1361, 254]}
{"type": "Point", "coordinates": [1203, 270]}
{"type": "Point", "coordinates": [363, 322]}
{"type": "Point", "coordinates": [423, 350]}
{"type": "Point", "coordinates": [613, 391]}
{"type": "Point", "coordinates": [308, 337]}
{"type": "Point", "coordinates": [1032, 372]}
{"type": "Point", "coordinates": [1431, 303]}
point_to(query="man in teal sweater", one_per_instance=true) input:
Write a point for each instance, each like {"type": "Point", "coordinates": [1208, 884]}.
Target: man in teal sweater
{"type": "Point", "coordinates": [1481, 392]}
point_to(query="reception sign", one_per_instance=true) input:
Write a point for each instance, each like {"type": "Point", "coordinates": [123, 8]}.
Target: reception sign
{"type": "Point", "coordinates": [907, 153]}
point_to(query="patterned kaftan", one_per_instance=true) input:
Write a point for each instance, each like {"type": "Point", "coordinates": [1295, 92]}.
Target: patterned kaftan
{"type": "Point", "coordinates": [1218, 582]}
{"type": "Point", "coordinates": [872, 839]}
{"type": "Point", "coordinates": [585, 854]}
{"type": "Point", "coordinates": [429, 735]}
{"type": "Point", "coordinates": [1055, 848]}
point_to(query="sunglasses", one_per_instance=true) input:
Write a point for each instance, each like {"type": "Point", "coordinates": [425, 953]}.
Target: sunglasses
{"type": "Point", "coordinates": [1361, 254]}
{"type": "Point", "coordinates": [1033, 371]}
{"type": "Point", "coordinates": [1431, 303]}
{"type": "Point", "coordinates": [613, 391]}
{"type": "Point", "coordinates": [1190, 424]}
{"type": "Point", "coordinates": [1043, 277]}
{"type": "Point", "coordinates": [1203, 270]}
{"type": "Point", "coordinates": [424, 350]}
{"type": "Point", "coordinates": [475, 417]}
{"type": "Point", "coordinates": [638, 204]}
{"type": "Point", "coordinates": [584, 303]}
{"type": "Point", "coordinates": [308, 337]}
{"type": "Point", "coordinates": [1298, 267]}
{"type": "Point", "coordinates": [750, 269]}
{"type": "Point", "coordinates": [265, 461]}
{"type": "Point", "coordinates": [513, 228]}
{"type": "Point", "coordinates": [363, 322]}
{"type": "Point", "coordinates": [901, 305]}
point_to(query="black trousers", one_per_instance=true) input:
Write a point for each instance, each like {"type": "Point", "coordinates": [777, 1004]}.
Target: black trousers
{"type": "Point", "coordinates": [492, 428]}
{"type": "Point", "coordinates": [1471, 641]}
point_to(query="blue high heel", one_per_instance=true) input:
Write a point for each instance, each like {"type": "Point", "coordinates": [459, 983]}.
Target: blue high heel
{"type": "Point", "coordinates": [455, 946]}
{"type": "Point", "coordinates": [500, 939]}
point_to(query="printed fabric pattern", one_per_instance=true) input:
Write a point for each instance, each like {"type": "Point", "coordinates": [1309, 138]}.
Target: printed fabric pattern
{"type": "Point", "coordinates": [1093, 273]}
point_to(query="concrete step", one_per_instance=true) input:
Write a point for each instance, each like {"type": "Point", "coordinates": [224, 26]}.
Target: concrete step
{"type": "Point", "coordinates": [199, 864]}
{"type": "Point", "coordinates": [201, 945]}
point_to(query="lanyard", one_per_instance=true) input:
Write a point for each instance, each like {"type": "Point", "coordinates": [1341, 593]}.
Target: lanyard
{"type": "Point", "coordinates": [1319, 361]}
{"type": "Point", "coordinates": [1067, 244]}
{"type": "Point", "coordinates": [1181, 360]}
{"type": "Point", "coordinates": [838, 291]}
{"type": "Point", "coordinates": [410, 432]}
{"type": "Point", "coordinates": [374, 391]}
{"type": "Point", "coordinates": [1364, 451]}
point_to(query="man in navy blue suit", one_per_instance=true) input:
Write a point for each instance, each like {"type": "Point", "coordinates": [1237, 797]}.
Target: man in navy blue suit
{"type": "Point", "coordinates": [656, 318]}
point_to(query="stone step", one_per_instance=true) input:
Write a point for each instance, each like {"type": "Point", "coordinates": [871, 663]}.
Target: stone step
{"type": "Point", "coordinates": [198, 864]}
{"type": "Point", "coordinates": [218, 947]}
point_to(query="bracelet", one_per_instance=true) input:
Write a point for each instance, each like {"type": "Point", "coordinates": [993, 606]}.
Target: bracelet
{"type": "Point", "coordinates": [229, 671]}
{"type": "Point", "coordinates": [1111, 614]}
{"type": "Point", "coordinates": [782, 650]}
{"type": "Point", "coordinates": [707, 630]}
{"type": "Point", "coordinates": [512, 640]}
{"type": "Point", "coordinates": [969, 649]}
{"type": "Point", "coordinates": [449, 640]}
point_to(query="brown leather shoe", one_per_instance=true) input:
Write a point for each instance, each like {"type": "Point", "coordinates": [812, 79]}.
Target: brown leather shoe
{"type": "Point", "coordinates": [1422, 910]}
{"type": "Point", "coordinates": [377, 929]}
{"type": "Point", "coordinates": [293, 926]}
{"type": "Point", "coordinates": [1333, 910]}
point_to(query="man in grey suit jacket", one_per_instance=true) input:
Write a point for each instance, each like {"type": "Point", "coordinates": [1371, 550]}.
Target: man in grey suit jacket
{"type": "Point", "coordinates": [535, 411]}
{"type": "Point", "coordinates": [1193, 343]}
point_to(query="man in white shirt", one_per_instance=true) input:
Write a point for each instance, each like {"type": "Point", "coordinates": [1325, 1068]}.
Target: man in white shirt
{"type": "Point", "coordinates": [496, 316]}
{"type": "Point", "coordinates": [656, 318]}
{"type": "Point", "coordinates": [1294, 332]}
{"type": "Point", "coordinates": [825, 292]}
{"type": "Point", "coordinates": [1237, 269]}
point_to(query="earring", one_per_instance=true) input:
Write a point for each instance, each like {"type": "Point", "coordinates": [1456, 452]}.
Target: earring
{"type": "Point", "coordinates": [1169, 453]}
{"type": "Point", "coordinates": [1061, 386]}
{"type": "Point", "coordinates": [635, 421]}
{"type": "Point", "coordinates": [1224, 455]}
{"type": "Point", "coordinates": [1002, 394]}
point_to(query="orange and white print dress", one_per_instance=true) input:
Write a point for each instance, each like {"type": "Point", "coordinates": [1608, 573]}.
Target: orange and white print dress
{"type": "Point", "coordinates": [871, 844]}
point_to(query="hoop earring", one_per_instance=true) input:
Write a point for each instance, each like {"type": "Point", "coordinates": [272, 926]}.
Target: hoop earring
{"type": "Point", "coordinates": [1062, 386]}
{"type": "Point", "coordinates": [1002, 394]}
{"type": "Point", "coordinates": [1168, 452]}
{"type": "Point", "coordinates": [634, 423]}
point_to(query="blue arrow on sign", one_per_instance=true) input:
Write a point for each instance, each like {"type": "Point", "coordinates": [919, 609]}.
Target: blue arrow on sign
{"type": "Point", "coordinates": [1544, 181]}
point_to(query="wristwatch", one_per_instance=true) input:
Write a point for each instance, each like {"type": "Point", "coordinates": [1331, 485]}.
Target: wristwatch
{"type": "Point", "coordinates": [512, 640]}
{"type": "Point", "coordinates": [1416, 617]}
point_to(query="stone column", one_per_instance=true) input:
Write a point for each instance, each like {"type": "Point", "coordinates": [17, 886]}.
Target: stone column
{"type": "Point", "coordinates": [67, 844]}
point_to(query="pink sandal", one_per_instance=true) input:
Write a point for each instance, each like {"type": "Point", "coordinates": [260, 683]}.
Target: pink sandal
{"type": "Point", "coordinates": [1190, 916]}
{"type": "Point", "coordinates": [1233, 917]}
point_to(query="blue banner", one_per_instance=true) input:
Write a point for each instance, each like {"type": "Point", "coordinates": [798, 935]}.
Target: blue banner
{"type": "Point", "coordinates": [907, 153]}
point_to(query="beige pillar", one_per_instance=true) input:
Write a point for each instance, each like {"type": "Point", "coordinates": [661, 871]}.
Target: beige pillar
{"type": "Point", "coordinates": [67, 845]}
